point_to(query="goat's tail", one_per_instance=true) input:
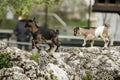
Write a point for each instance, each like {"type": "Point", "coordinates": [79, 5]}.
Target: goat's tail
{"type": "Point", "coordinates": [57, 31]}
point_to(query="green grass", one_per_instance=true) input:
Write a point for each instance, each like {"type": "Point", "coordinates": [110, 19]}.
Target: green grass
{"type": "Point", "coordinates": [5, 60]}
{"type": "Point", "coordinates": [35, 57]}
{"type": "Point", "coordinates": [76, 23]}
{"type": "Point", "coordinates": [88, 76]}
{"type": "Point", "coordinates": [54, 77]}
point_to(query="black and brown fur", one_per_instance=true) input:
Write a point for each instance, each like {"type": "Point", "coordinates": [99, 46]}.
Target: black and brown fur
{"type": "Point", "coordinates": [49, 36]}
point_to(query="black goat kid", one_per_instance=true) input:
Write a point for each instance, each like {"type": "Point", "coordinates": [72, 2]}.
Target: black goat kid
{"type": "Point", "coordinates": [42, 34]}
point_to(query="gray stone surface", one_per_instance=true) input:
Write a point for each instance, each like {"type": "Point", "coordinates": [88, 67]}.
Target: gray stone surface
{"type": "Point", "coordinates": [69, 64]}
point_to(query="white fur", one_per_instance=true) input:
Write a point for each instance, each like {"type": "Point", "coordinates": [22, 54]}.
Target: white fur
{"type": "Point", "coordinates": [98, 34]}
{"type": "Point", "coordinates": [99, 31]}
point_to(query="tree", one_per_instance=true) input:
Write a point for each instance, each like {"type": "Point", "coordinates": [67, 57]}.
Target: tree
{"type": "Point", "coordinates": [22, 6]}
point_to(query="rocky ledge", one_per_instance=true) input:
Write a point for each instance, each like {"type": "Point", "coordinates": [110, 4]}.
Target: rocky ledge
{"type": "Point", "coordinates": [68, 64]}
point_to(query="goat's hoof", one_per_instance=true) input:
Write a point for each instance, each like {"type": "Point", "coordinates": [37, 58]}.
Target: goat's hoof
{"type": "Point", "coordinates": [48, 50]}
{"type": "Point", "coordinates": [111, 45]}
{"type": "Point", "coordinates": [91, 45]}
{"type": "Point", "coordinates": [51, 55]}
{"type": "Point", "coordinates": [56, 50]}
{"type": "Point", "coordinates": [105, 48]}
{"type": "Point", "coordinates": [83, 45]}
{"type": "Point", "coordinates": [39, 50]}
{"type": "Point", "coordinates": [33, 47]}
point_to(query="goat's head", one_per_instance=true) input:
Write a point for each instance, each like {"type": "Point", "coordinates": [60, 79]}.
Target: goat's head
{"type": "Point", "coordinates": [30, 24]}
{"type": "Point", "coordinates": [76, 30]}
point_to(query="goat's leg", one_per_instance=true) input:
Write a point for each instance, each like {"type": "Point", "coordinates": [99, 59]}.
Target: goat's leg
{"type": "Point", "coordinates": [88, 37]}
{"type": "Point", "coordinates": [33, 44]}
{"type": "Point", "coordinates": [51, 46]}
{"type": "Point", "coordinates": [58, 45]}
{"type": "Point", "coordinates": [92, 43]}
{"type": "Point", "coordinates": [111, 40]}
{"type": "Point", "coordinates": [84, 43]}
{"type": "Point", "coordinates": [37, 47]}
{"type": "Point", "coordinates": [106, 42]}
{"type": "Point", "coordinates": [56, 42]}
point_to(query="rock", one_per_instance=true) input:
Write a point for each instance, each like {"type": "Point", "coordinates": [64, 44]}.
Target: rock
{"type": "Point", "coordinates": [3, 46]}
{"type": "Point", "coordinates": [19, 76]}
{"type": "Point", "coordinates": [72, 63]}
{"type": "Point", "coordinates": [56, 71]}
{"type": "Point", "coordinates": [18, 54]}
{"type": "Point", "coordinates": [14, 73]}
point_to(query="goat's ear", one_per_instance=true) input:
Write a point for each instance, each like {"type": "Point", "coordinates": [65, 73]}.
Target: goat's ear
{"type": "Point", "coordinates": [77, 27]}
{"type": "Point", "coordinates": [34, 19]}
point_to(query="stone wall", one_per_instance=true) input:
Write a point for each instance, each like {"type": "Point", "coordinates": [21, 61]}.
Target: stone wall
{"type": "Point", "coordinates": [70, 63]}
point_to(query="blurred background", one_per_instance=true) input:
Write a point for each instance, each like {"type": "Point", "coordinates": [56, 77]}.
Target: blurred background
{"type": "Point", "coordinates": [62, 14]}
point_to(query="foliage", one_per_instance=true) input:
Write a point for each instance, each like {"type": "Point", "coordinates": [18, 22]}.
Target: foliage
{"type": "Point", "coordinates": [49, 2]}
{"type": "Point", "coordinates": [18, 6]}
{"type": "Point", "coordinates": [35, 57]}
{"type": "Point", "coordinates": [54, 77]}
{"type": "Point", "coordinates": [5, 60]}
{"type": "Point", "coordinates": [88, 76]}
{"type": "Point", "coordinates": [77, 23]}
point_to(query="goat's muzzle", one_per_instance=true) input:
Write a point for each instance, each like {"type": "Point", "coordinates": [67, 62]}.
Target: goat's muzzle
{"type": "Point", "coordinates": [75, 31]}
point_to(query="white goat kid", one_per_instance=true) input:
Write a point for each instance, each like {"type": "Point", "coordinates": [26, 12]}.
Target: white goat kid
{"type": "Point", "coordinates": [93, 33]}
